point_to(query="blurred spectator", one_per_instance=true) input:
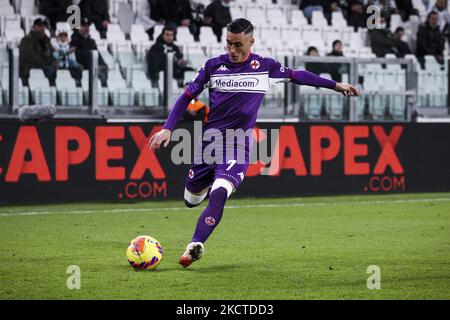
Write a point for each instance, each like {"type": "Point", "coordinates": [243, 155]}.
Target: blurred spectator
{"type": "Point", "coordinates": [444, 16]}
{"type": "Point", "coordinates": [144, 17]}
{"type": "Point", "coordinates": [430, 40]}
{"type": "Point", "coordinates": [174, 13]}
{"type": "Point", "coordinates": [356, 17]}
{"type": "Point", "coordinates": [198, 18]}
{"type": "Point", "coordinates": [314, 67]}
{"type": "Point", "coordinates": [84, 44]}
{"type": "Point", "coordinates": [35, 51]}
{"type": "Point", "coordinates": [332, 7]}
{"type": "Point", "coordinates": [309, 6]}
{"type": "Point", "coordinates": [336, 50]}
{"type": "Point", "coordinates": [381, 40]}
{"type": "Point", "coordinates": [64, 54]}
{"type": "Point", "coordinates": [406, 9]}
{"type": "Point", "coordinates": [97, 12]}
{"type": "Point", "coordinates": [217, 15]}
{"type": "Point", "coordinates": [336, 69]}
{"type": "Point", "coordinates": [55, 10]}
{"type": "Point", "coordinates": [155, 57]}
{"type": "Point", "coordinates": [402, 46]}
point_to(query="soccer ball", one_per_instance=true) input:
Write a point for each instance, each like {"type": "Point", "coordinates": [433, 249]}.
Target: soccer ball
{"type": "Point", "coordinates": [144, 252]}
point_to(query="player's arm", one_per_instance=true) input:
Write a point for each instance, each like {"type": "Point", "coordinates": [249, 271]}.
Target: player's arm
{"type": "Point", "coordinates": [163, 136]}
{"type": "Point", "coordinates": [278, 73]}
{"type": "Point", "coordinates": [194, 88]}
{"type": "Point", "coordinates": [302, 77]}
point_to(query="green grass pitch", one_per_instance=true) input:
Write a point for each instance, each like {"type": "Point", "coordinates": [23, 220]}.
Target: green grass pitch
{"type": "Point", "coordinates": [296, 248]}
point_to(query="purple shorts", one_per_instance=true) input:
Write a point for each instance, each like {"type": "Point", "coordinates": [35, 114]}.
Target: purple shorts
{"type": "Point", "coordinates": [232, 165]}
{"type": "Point", "coordinates": [202, 176]}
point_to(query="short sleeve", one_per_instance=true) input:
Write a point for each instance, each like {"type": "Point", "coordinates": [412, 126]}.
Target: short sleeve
{"type": "Point", "coordinates": [199, 83]}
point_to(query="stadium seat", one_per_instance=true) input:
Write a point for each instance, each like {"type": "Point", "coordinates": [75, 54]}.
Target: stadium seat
{"type": "Point", "coordinates": [298, 19]}
{"type": "Point", "coordinates": [119, 92]}
{"type": "Point", "coordinates": [196, 59]}
{"type": "Point", "coordinates": [236, 11]}
{"type": "Point", "coordinates": [257, 15]}
{"type": "Point", "coordinates": [7, 10]}
{"type": "Point", "coordinates": [108, 58]}
{"type": "Point", "coordinates": [145, 95]}
{"type": "Point", "coordinates": [138, 37]}
{"type": "Point", "coordinates": [377, 106]}
{"type": "Point", "coordinates": [338, 20]}
{"type": "Point", "coordinates": [318, 19]}
{"type": "Point", "coordinates": [276, 16]}
{"type": "Point", "coordinates": [311, 99]}
{"type": "Point", "coordinates": [102, 92]}
{"type": "Point", "coordinates": [271, 36]}
{"type": "Point", "coordinates": [184, 36]}
{"type": "Point", "coordinates": [207, 35]}
{"type": "Point", "coordinates": [334, 103]}
{"type": "Point", "coordinates": [68, 93]}
{"type": "Point", "coordinates": [41, 92]}
{"type": "Point", "coordinates": [396, 21]}
{"type": "Point", "coordinates": [397, 107]}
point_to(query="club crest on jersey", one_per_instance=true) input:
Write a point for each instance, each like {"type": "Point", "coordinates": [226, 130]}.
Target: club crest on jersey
{"type": "Point", "coordinates": [210, 221]}
{"type": "Point", "coordinates": [191, 174]}
{"type": "Point", "coordinates": [255, 64]}
{"type": "Point", "coordinates": [222, 68]}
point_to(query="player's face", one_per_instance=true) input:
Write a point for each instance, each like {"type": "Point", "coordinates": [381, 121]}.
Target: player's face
{"type": "Point", "coordinates": [239, 46]}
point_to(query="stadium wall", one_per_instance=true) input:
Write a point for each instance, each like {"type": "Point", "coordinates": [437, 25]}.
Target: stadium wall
{"type": "Point", "coordinates": [98, 161]}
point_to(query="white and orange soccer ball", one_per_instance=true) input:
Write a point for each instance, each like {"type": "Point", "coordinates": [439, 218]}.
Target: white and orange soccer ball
{"type": "Point", "coordinates": [144, 252]}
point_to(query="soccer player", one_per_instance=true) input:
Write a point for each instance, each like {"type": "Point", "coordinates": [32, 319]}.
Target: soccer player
{"type": "Point", "coordinates": [237, 83]}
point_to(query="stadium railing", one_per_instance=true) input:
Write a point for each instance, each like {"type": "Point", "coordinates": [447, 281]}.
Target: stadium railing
{"type": "Point", "coordinates": [388, 89]}
{"type": "Point", "coordinates": [392, 89]}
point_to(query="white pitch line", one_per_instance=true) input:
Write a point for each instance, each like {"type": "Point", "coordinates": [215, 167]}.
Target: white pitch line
{"type": "Point", "coordinates": [249, 206]}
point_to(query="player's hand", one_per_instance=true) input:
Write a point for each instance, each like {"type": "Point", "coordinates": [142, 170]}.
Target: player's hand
{"type": "Point", "coordinates": [161, 137]}
{"type": "Point", "coordinates": [346, 89]}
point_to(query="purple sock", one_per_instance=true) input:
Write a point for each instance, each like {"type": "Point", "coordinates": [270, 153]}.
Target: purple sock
{"type": "Point", "coordinates": [211, 216]}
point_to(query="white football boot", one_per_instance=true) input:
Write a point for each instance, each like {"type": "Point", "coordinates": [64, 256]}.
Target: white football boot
{"type": "Point", "coordinates": [194, 251]}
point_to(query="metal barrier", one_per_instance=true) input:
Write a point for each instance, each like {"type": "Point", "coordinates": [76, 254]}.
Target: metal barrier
{"type": "Point", "coordinates": [356, 104]}
{"type": "Point", "coordinates": [288, 103]}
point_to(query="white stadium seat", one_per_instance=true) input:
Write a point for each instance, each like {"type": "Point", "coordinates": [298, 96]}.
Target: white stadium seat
{"type": "Point", "coordinates": [102, 93]}
{"type": "Point", "coordinates": [145, 95]}
{"type": "Point", "coordinates": [40, 89]}
{"type": "Point", "coordinates": [318, 19]}
{"type": "Point", "coordinates": [67, 90]}
{"type": "Point", "coordinates": [119, 92]}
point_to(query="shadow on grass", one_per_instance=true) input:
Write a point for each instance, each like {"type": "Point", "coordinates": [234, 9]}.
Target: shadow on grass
{"type": "Point", "coordinates": [193, 268]}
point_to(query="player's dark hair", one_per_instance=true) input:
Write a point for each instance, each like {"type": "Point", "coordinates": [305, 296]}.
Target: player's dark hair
{"type": "Point", "coordinates": [240, 25]}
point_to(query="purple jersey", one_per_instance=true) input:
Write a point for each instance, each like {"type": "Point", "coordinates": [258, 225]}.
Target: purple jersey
{"type": "Point", "coordinates": [236, 90]}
